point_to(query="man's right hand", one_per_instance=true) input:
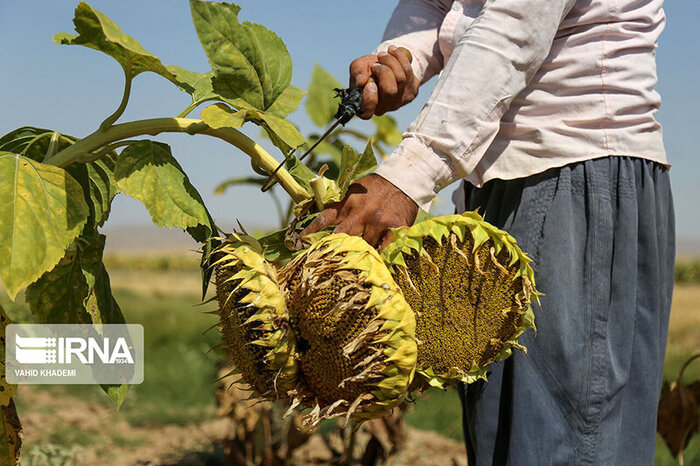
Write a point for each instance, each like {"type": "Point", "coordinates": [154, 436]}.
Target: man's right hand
{"type": "Point", "coordinates": [371, 208]}
{"type": "Point", "coordinates": [394, 83]}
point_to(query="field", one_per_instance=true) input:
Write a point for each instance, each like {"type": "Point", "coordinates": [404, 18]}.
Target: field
{"type": "Point", "coordinates": [166, 420]}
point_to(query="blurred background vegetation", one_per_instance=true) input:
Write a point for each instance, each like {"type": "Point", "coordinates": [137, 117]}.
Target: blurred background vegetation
{"type": "Point", "coordinates": [688, 271]}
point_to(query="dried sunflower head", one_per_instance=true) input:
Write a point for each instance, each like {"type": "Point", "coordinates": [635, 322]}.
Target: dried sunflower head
{"type": "Point", "coordinates": [470, 287]}
{"type": "Point", "coordinates": [355, 334]}
{"type": "Point", "coordinates": [253, 317]}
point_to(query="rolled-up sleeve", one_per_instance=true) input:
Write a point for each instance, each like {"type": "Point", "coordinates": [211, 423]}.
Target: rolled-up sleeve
{"type": "Point", "coordinates": [492, 62]}
{"type": "Point", "coordinates": [415, 25]}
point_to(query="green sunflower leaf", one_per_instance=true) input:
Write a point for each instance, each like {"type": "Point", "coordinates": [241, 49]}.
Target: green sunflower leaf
{"type": "Point", "coordinates": [287, 102]}
{"type": "Point", "coordinates": [354, 165]}
{"type": "Point", "coordinates": [147, 171]}
{"type": "Point", "coordinates": [249, 61]}
{"type": "Point", "coordinates": [96, 31]}
{"type": "Point", "coordinates": [59, 294]}
{"type": "Point", "coordinates": [98, 183]}
{"type": "Point", "coordinates": [281, 132]}
{"type": "Point", "coordinates": [387, 131]}
{"type": "Point", "coordinates": [321, 104]}
{"type": "Point", "coordinates": [42, 210]}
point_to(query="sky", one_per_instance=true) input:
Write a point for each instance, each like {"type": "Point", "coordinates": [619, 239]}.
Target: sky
{"type": "Point", "coordinates": [72, 89]}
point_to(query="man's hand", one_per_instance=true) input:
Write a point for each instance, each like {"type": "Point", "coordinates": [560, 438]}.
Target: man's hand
{"type": "Point", "coordinates": [372, 206]}
{"type": "Point", "coordinates": [395, 85]}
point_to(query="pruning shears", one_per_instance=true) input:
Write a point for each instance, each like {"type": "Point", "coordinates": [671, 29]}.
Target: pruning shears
{"type": "Point", "coordinates": [349, 106]}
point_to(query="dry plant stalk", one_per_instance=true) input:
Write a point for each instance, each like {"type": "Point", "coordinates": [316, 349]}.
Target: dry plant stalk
{"type": "Point", "coordinates": [679, 414]}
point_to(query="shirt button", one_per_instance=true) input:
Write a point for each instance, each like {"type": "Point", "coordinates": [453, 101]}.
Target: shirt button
{"type": "Point", "coordinates": [456, 6]}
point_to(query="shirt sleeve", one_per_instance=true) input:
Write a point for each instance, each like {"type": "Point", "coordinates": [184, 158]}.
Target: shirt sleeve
{"type": "Point", "coordinates": [415, 24]}
{"type": "Point", "coordinates": [492, 62]}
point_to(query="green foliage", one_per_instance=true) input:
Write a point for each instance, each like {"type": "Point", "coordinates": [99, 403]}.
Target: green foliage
{"type": "Point", "coordinates": [354, 165]}
{"type": "Point", "coordinates": [301, 172]}
{"type": "Point", "coordinates": [320, 103]}
{"type": "Point", "coordinates": [287, 102]}
{"type": "Point", "coordinates": [251, 71]}
{"type": "Point", "coordinates": [42, 209]}
{"type": "Point", "coordinates": [200, 88]}
{"type": "Point", "coordinates": [96, 178]}
{"type": "Point", "coordinates": [387, 131]}
{"type": "Point", "coordinates": [32, 142]}
{"type": "Point", "coordinates": [687, 272]}
{"type": "Point", "coordinates": [100, 304]}
{"type": "Point", "coordinates": [274, 247]}
{"type": "Point", "coordinates": [98, 32]}
{"type": "Point", "coordinates": [16, 141]}
{"type": "Point", "coordinates": [116, 393]}
{"type": "Point", "coordinates": [249, 61]}
{"type": "Point", "coordinates": [57, 297]}
{"type": "Point", "coordinates": [99, 186]}
{"type": "Point", "coordinates": [147, 171]}
{"type": "Point", "coordinates": [78, 290]}
{"type": "Point", "coordinates": [197, 85]}
{"type": "Point", "coordinates": [281, 132]}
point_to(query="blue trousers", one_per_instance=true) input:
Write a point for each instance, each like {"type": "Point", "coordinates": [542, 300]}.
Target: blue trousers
{"type": "Point", "coordinates": [602, 237]}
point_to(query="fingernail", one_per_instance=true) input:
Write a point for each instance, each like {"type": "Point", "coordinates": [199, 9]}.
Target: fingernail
{"type": "Point", "coordinates": [371, 87]}
{"type": "Point", "coordinates": [382, 54]}
{"type": "Point", "coordinates": [392, 48]}
{"type": "Point", "coordinates": [358, 78]}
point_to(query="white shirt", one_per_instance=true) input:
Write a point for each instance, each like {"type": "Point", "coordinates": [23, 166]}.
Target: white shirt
{"type": "Point", "coordinates": [525, 85]}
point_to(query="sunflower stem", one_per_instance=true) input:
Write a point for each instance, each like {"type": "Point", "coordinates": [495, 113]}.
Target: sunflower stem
{"type": "Point", "coordinates": [154, 126]}
{"type": "Point", "coordinates": [54, 144]}
{"type": "Point", "coordinates": [122, 105]}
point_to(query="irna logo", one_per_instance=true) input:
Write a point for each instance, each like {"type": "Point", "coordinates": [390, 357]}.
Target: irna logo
{"type": "Point", "coordinates": [67, 350]}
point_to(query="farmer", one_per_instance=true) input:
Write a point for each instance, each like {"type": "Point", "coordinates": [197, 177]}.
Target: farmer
{"type": "Point", "coordinates": [545, 110]}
